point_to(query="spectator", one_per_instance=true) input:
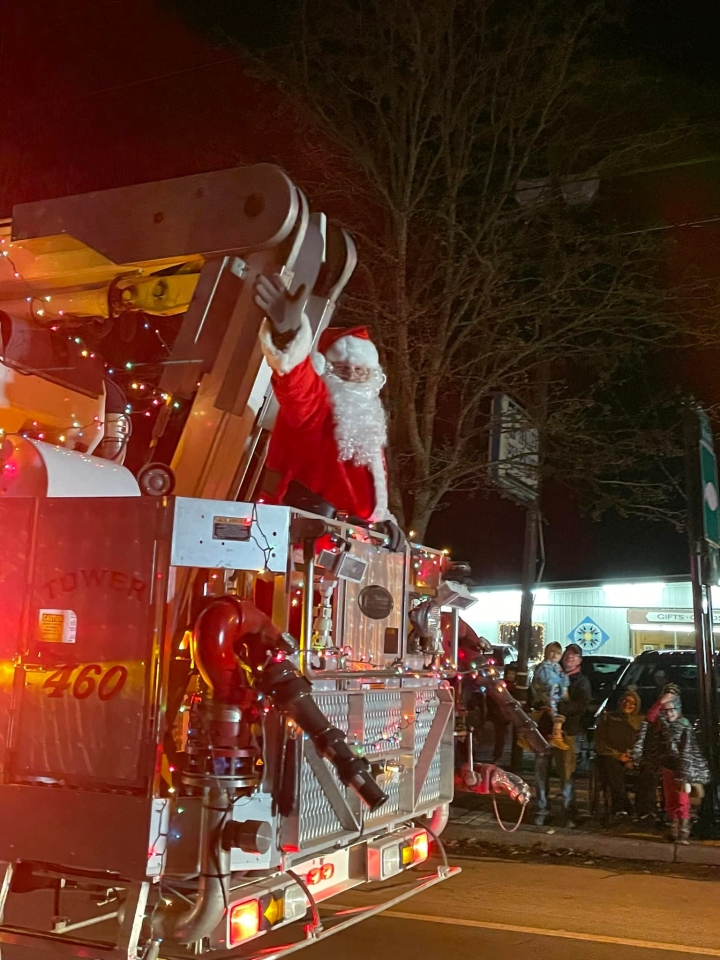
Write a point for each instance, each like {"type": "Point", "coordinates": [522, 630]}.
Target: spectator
{"type": "Point", "coordinates": [646, 805]}
{"type": "Point", "coordinates": [549, 686]}
{"type": "Point", "coordinates": [671, 750]}
{"type": "Point", "coordinates": [573, 709]}
{"type": "Point", "coordinates": [615, 739]}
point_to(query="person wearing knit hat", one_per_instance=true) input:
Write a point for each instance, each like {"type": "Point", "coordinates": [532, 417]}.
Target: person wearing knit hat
{"type": "Point", "coordinates": [670, 748]}
{"type": "Point", "coordinates": [615, 738]}
{"type": "Point", "coordinates": [331, 430]}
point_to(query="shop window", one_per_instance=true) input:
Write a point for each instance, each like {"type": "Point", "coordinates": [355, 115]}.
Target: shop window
{"type": "Point", "coordinates": [508, 633]}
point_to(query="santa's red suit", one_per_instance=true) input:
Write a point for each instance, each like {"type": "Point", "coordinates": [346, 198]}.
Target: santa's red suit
{"type": "Point", "coordinates": [330, 433]}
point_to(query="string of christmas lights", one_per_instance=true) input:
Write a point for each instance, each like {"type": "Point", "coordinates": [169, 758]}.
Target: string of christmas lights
{"type": "Point", "coordinates": [391, 737]}
{"type": "Point", "coordinates": [144, 397]}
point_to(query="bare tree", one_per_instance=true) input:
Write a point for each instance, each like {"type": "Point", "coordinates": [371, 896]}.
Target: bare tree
{"type": "Point", "coordinates": [480, 128]}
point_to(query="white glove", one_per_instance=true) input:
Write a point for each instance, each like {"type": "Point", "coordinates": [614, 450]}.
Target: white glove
{"type": "Point", "coordinates": [283, 309]}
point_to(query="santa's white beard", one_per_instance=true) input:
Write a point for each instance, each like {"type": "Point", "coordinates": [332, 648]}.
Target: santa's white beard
{"type": "Point", "coordinates": [360, 422]}
{"type": "Point", "coordinates": [361, 430]}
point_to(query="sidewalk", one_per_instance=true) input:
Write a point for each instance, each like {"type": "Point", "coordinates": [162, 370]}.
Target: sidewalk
{"type": "Point", "coordinates": [473, 824]}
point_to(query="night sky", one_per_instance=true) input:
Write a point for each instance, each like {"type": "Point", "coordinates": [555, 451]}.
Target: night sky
{"type": "Point", "coordinates": [683, 34]}
{"type": "Point", "coordinates": [102, 93]}
{"type": "Point", "coordinates": [682, 38]}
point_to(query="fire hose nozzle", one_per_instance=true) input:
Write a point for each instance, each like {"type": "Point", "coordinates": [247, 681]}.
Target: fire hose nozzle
{"type": "Point", "coordinates": [292, 694]}
{"type": "Point", "coordinates": [353, 771]}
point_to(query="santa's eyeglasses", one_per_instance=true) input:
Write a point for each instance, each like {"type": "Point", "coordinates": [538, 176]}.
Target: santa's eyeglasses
{"type": "Point", "coordinates": [354, 373]}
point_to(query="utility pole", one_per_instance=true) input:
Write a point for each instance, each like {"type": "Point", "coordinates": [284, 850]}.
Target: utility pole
{"type": "Point", "coordinates": [533, 537]}
{"type": "Point", "coordinates": [514, 460]}
{"type": "Point", "coordinates": [531, 574]}
{"type": "Point", "coordinates": [704, 544]}
{"type": "Point", "coordinates": [533, 520]}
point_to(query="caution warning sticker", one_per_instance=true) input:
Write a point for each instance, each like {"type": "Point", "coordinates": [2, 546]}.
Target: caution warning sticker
{"type": "Point", "coordinates": [57, 626]}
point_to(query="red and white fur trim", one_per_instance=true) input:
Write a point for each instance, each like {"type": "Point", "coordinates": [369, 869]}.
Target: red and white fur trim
{"type": "Point", "coordinates": [283, 361]}
{"type": "Point", "coordinates": [354, 350]}
{"type": "Point", "coordinates": [360, 427]}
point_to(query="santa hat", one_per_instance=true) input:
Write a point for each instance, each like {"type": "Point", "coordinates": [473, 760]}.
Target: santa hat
{"type": "Point", "coordinates": [349, 345]}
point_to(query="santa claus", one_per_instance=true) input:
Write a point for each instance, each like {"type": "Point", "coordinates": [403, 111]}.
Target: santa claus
{"type": "Point", "coordinates": [331, 428]}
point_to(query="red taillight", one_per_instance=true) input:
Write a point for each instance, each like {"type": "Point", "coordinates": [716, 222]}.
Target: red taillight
{"type": "Point", "coordinates": [325, 872]}
{"type": "Point", "coordinates": [244, 921]}
{"type": "Point", "coordinates": [420, 848]}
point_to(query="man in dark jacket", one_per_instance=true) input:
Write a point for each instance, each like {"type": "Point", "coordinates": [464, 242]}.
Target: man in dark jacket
{"type": "Point", "coordinates": [573, 709]}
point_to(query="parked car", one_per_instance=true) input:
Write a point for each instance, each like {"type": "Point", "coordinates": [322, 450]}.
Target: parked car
{"type": "Point", "coordinates": [603, 671]}
{"type": "Point", "coordinates": [652, 669]}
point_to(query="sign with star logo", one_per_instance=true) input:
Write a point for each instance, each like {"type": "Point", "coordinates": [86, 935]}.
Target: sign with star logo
{"type": "Point", "coordinates": [588, 635]}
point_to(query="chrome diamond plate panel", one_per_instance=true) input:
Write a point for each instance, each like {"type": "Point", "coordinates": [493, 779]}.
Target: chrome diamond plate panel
{"type": "Point", "coordinates": [335, 705]}
{"type": "Point", "coordinates": [382, 715]}
{"type": "Point", "coordinates": [317, 818]}
{"type": "Point", "coordinates": [390, 728]}
{"type": "Point", "coordinates": [382, 722]}
{"type": "Point", "coordinates": [425, 709]}
{"type": "Point", "coordinates": [431, 787]}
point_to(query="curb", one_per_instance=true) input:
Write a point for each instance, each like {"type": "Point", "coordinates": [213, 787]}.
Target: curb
{"type": "Point", "coordinates": [616, 848]}
{"type": "Point", "coordinates": [697, 853]}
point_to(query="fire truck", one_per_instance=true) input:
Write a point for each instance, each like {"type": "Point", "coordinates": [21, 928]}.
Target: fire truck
{"type": "Point", "coordinates": [217, 714]}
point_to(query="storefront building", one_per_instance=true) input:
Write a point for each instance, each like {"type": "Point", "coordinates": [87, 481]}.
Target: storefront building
{"type": "Point", "coordinates": [621, 618]}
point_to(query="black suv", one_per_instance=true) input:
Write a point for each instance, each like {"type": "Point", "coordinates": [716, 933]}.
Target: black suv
{"type": "Point", "coordinates": [603, 672]}
{"type": "Point", "coordinates": [651, 670]}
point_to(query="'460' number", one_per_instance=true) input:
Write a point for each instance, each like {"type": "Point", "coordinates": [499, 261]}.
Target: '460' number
{"type": "Point", "coordinates": [83, 682]}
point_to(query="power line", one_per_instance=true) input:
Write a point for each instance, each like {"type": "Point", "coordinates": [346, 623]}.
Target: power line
{"type": "Point", "coordinates": [695, 161]}
{"type": "Point", "coordinates": [120, 86]}
{"type": "Point", "coordinates": [669, 226]}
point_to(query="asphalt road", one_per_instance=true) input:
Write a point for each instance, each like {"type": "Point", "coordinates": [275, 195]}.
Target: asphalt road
{"type": "Point", "coordinates": [536, 911]}
{"type": "Point", "coordinates": [503, 909]}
